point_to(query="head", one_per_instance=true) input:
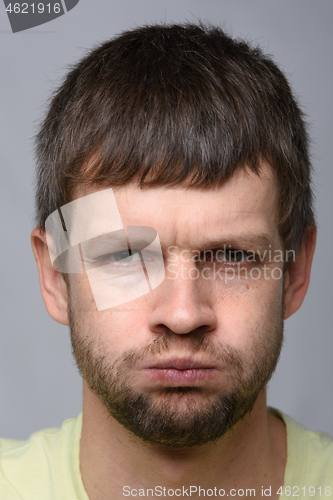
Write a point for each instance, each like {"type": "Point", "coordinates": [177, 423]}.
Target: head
{"type": "Point", "coordinates": [200, 137]}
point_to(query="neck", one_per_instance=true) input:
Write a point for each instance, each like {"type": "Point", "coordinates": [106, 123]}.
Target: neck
{"type": "Point", "coordinates": [251, 455]}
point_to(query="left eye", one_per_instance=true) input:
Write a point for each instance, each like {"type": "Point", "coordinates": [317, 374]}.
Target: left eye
{"type": "Point", "coordinates": [234, 255]}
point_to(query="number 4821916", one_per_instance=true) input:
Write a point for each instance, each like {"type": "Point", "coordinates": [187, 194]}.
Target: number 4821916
{"type": "Point", "coordinates": [39, 8]}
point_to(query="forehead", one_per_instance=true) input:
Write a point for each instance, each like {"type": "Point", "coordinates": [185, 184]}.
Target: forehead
{"type": "Point", "coordinates": [247, 202]}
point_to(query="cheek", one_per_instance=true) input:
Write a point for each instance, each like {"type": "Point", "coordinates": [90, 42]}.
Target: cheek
{"type": "Point", "coordinates": [248, 310]}
{"type": "Point", "coordinates": [112, 331]}
{"type": "Point", "coordinates": [81, 297]}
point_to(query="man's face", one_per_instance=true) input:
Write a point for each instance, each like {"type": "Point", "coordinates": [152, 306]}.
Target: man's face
{"type": "Point", "coordinates": [182, 364]}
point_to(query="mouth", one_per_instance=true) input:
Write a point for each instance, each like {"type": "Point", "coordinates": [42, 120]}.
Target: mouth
{"type": "Point", "coordinates": [181, 371]}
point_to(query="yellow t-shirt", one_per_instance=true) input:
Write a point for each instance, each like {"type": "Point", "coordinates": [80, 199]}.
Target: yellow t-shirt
{"type": "Point", "coordinates": [46, 467]}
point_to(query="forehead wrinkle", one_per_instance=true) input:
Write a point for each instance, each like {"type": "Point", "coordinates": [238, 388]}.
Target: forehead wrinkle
{"type": "Point", "coordinates": [236, 208]}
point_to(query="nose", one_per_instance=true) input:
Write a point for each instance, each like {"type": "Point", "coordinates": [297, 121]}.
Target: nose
{"type": "Point", "coordinates": [181, 305]}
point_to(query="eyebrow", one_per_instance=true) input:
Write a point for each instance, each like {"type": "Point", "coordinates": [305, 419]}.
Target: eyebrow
{"type": "Point", "coordinates": [248, 241]}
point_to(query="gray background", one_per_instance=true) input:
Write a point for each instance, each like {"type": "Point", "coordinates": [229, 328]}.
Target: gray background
{"type": "Point", "coordinates": [40, 386]}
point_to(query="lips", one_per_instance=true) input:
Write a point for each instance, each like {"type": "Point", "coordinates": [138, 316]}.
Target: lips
{"type": "Point", "coordinates": [181, 364]}
{"type": "Point", "coordinates": [181, 371]}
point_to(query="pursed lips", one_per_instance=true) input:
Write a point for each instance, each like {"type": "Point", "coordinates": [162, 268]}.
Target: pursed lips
{"type": "Point", "coordinates": [181, 371]}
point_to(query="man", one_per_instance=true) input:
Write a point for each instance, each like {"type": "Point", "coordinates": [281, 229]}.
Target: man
{"type": "Point", "coordinates": [175, 234]}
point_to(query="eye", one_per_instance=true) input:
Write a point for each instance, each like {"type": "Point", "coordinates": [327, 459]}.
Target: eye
{"type": "Point", "coordinates": [227, 256]}
{"type": "Point", "coordinates": [122, 256]}
{"type": "Point", "coordinates": [233, 255]}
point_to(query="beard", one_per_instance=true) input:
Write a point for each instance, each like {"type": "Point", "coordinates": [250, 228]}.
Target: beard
{"type": "Point", "coordinates": [178, 416]}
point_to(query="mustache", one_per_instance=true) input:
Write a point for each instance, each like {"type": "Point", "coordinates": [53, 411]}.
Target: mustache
{"type": "Point", "coordinates": [195, 342]}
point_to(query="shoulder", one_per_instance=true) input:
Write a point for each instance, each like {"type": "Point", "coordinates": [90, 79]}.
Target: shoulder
{"type": "Point", "coordinates": [47, 441]}
{"type": "Point", "coordinates": [309, 457]}
{"type": "Point", "coordinates": [29, 468]}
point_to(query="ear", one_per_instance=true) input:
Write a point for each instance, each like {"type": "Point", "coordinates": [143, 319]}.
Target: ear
{"type": "Point", "coordinates": [52, 284]}
{"type": "Point", "coordinates": [297, 276]}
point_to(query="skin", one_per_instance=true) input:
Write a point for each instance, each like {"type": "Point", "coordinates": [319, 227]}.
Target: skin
{"type": "Point", "coordinates": [253, 453]}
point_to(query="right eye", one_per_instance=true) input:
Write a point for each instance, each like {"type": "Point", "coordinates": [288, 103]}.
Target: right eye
{"type": "Point", "coordinates": [122, 256]}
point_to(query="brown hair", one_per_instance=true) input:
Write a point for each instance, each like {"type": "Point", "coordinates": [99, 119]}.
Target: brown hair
{"type": "Point", "coordinates": [175, 105]}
